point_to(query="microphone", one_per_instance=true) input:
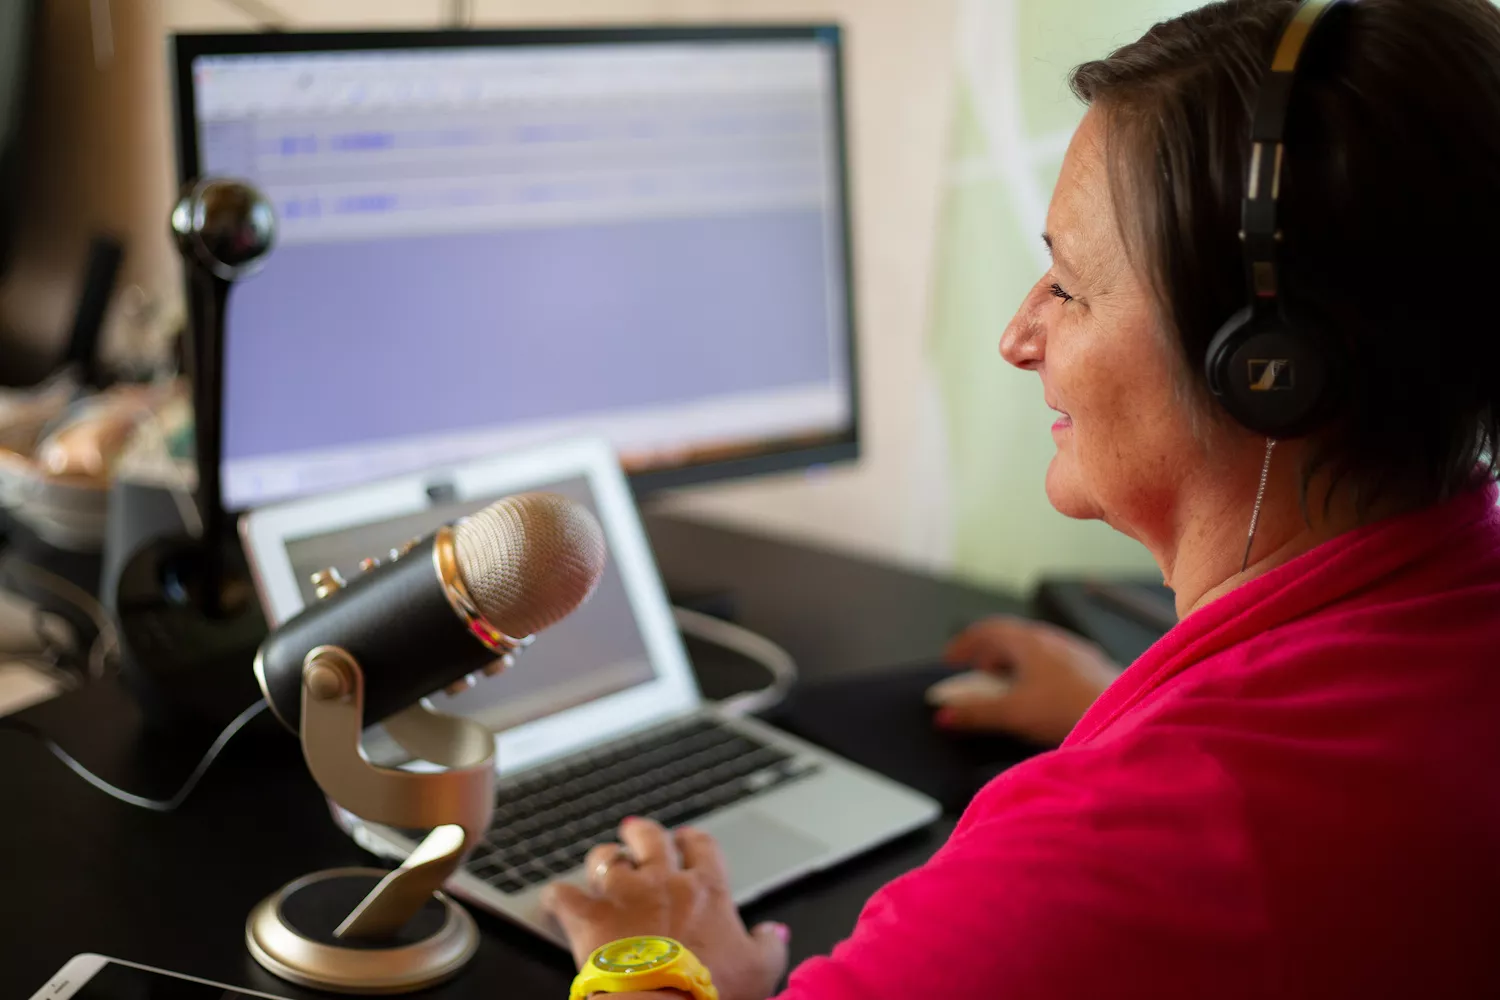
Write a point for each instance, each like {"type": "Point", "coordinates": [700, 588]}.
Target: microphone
{"type": "Point", "coordinates": [456, 603]}
{"type": "Point", "coordinates": [188, 621]}
{"type": "Point", "coordinates": [224, 229]}
{"type": "Point", "coordinates": [462, 600]}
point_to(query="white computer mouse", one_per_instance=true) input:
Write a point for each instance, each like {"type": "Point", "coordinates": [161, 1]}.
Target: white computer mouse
{"type": "Point", "coordinates": [966, 686]}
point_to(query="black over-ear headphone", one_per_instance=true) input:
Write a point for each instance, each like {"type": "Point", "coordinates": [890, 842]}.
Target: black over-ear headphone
{"type": "Point", "coordinates": [1274, 378]}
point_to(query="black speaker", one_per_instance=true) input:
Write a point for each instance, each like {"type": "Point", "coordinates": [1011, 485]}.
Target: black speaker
{"type": "Point", "coordinates": [106, 254]}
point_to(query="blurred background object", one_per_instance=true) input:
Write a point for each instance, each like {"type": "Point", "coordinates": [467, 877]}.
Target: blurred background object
{"type": "Point", "coordinates": [55, 477]}
{"type": "Point", "coordinates": [89, 161]}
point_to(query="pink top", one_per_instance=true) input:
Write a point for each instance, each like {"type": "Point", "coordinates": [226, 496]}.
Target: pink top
{"type": "Point", "coordinates": [1295, 793]}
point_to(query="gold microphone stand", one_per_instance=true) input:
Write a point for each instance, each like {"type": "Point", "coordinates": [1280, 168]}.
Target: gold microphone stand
{"type": "Point", "coordinates": [364, 930]}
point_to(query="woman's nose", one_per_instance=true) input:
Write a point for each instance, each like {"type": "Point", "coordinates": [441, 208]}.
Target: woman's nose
{"type": "Point", "coordinates": [1024, 340]}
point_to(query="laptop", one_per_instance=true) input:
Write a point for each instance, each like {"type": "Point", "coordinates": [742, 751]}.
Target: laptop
{"type": "Point", "coordinates": [601, 717]}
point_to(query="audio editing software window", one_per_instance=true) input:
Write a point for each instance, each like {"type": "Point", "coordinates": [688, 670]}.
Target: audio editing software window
{"type": "Point", "coordinates": [483, 248]}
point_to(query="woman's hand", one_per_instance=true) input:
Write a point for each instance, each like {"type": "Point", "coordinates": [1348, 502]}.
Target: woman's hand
{"type": "Point", "coordinates": [676, 885]}
{"type": "Point", "coordinates": [1054, 677]}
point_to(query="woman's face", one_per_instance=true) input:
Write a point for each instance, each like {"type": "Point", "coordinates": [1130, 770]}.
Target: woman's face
{"type": "Point", "coordinates": [1125, 445]}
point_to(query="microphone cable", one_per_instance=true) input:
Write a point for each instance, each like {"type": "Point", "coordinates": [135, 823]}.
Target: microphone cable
{"type": "Point", "coordinates": [140, 801]}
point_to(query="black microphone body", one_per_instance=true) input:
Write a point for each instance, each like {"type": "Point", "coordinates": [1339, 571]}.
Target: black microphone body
{"type": "Point", "coordinates": [397, 623]}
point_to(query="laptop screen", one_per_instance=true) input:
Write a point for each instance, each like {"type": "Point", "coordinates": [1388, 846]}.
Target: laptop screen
{"type": "Point", "coordinates": [595, 652]}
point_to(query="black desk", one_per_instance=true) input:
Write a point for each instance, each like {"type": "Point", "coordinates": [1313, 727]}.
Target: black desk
{"type": "Point", "coordinates": [82, 872]}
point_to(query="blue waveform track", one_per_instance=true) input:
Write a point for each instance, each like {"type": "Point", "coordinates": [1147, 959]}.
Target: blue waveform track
{"type": "Point", "coordinates": [361, 142]}
{"type": "Point", "coordinates": [364, 204]}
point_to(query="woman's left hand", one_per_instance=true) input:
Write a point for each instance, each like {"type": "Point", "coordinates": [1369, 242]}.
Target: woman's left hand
{"type": "Point", "coordinates": [672, 884]}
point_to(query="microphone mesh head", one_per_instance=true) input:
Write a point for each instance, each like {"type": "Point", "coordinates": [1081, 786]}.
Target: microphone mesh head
{"type": "Point", "coordinates": [529, 560]}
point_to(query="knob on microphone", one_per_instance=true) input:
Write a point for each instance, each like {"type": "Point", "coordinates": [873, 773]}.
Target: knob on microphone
{"type": "Point", "coordinates": [450, 606]}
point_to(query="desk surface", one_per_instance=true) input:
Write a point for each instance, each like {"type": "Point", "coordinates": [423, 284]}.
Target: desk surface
{"type": "Point", "coordinates": [82, 872]}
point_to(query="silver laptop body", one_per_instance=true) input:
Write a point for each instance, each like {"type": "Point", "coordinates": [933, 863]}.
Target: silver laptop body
{"type": "Point", "coordinates": [835, 812]}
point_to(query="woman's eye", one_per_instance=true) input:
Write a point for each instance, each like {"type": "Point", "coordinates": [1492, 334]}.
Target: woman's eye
{"type": "Point", "coordinates": [1058, 291]}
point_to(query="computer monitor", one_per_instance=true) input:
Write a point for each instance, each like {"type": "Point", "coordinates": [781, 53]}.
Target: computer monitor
{"type": "Point", "coordinates": [489, 239]}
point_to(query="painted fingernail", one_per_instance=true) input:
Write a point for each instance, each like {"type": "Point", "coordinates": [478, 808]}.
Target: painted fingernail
{"type": "Point", "coordinates": [782, 932]}
{"type": "Point", "coordinates": [945, 717]}
{"type": "Point", "coordinates": [630, 819]}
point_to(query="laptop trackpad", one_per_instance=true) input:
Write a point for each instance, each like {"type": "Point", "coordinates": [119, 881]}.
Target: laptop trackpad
{"type": "Point", "coordinates": [759, 849]}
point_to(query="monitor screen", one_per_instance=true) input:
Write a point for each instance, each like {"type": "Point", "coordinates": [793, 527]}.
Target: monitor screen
{"type": "Point", "coordinates": [494, 240]}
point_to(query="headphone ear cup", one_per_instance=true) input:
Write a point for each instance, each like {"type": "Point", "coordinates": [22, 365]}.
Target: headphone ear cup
{"type": "Point", "coordinates": [1215, 362]}
{"type": "Point", "coordinates": [1271, 379]}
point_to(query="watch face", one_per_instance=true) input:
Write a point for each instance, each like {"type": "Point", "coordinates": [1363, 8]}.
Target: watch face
{"type": "Point", "coordinates": [637, 954]}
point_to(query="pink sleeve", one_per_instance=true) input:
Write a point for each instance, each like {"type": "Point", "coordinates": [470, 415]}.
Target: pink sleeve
{"type": "Point", "coordinates": [1057, 887]}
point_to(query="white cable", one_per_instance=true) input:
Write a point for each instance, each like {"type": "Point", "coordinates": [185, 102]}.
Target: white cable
{"type": "Point", "coordinates": [751, 645]}
{"type": "Point", "coordinates": [1260, 496]}
{"type": "Point", "coordinates": [155, 805]}
{"type": "Point", "coordinates": [106, 644]}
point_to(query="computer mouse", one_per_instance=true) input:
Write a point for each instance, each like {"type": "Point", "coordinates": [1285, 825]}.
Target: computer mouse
{"type": "Point", "coordinates": [965, 686]}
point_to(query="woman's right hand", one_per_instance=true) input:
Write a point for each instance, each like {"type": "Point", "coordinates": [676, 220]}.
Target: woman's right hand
{"type": "Point", "coordinates": [1054, 676]}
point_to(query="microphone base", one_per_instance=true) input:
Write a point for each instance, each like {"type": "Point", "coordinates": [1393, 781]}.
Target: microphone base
{"type": "Point", "coordinates": [290, 933]}
{"type": "Point", "coordinates": [184, 664]}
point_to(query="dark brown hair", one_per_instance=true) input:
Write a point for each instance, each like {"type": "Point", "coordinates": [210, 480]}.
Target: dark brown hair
{"type": "Point", "coordinates": [1390, 207]}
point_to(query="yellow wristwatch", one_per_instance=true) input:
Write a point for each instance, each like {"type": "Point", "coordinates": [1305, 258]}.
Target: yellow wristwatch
{"type": "Point", "coordinates": [642, 964]}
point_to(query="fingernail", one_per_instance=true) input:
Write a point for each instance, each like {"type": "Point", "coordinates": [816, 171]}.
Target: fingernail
{"type": "Point", "coordinates": [782, 932]}
{"type": "Point", "coordinates": [630, 819]}
{"type": "Point", "coordinates": [945, 717]}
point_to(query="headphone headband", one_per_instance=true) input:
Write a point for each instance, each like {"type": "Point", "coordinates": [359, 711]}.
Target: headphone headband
{"type": "Point", "coordinates": [1259, 231]}
{"type": "Point", "coordinates": [1275, 375]}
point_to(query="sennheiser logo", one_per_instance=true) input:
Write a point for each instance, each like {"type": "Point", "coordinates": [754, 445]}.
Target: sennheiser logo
{"type": "Point", "coordinates": [1270, 375]}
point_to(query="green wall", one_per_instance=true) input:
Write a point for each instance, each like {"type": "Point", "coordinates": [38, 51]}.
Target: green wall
{"type": "Point", "coordinates": [1011, 118]}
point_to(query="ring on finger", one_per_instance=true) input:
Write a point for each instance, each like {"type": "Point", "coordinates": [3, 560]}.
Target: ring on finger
{"type": "Point", "coordinates": [620, 855]}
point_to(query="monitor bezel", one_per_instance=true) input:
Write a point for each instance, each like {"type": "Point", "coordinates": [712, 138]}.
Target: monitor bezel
{"type": "Point", "coordinates": [185, 47]}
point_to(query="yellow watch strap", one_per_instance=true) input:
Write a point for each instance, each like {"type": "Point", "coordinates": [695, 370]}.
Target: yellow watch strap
{"type": "Point", "coordinates": [640, 965]}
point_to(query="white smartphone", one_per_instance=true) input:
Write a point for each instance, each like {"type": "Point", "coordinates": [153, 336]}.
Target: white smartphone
{"type": "Point", "coordinates": [94, 977]}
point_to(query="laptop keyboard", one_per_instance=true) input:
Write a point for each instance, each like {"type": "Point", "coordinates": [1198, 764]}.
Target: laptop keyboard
{"type": "Point", "coordinates": [546, 820]}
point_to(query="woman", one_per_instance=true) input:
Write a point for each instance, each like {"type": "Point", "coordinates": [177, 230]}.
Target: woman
{"type": "Point", "coordinates": [1297, 791]}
